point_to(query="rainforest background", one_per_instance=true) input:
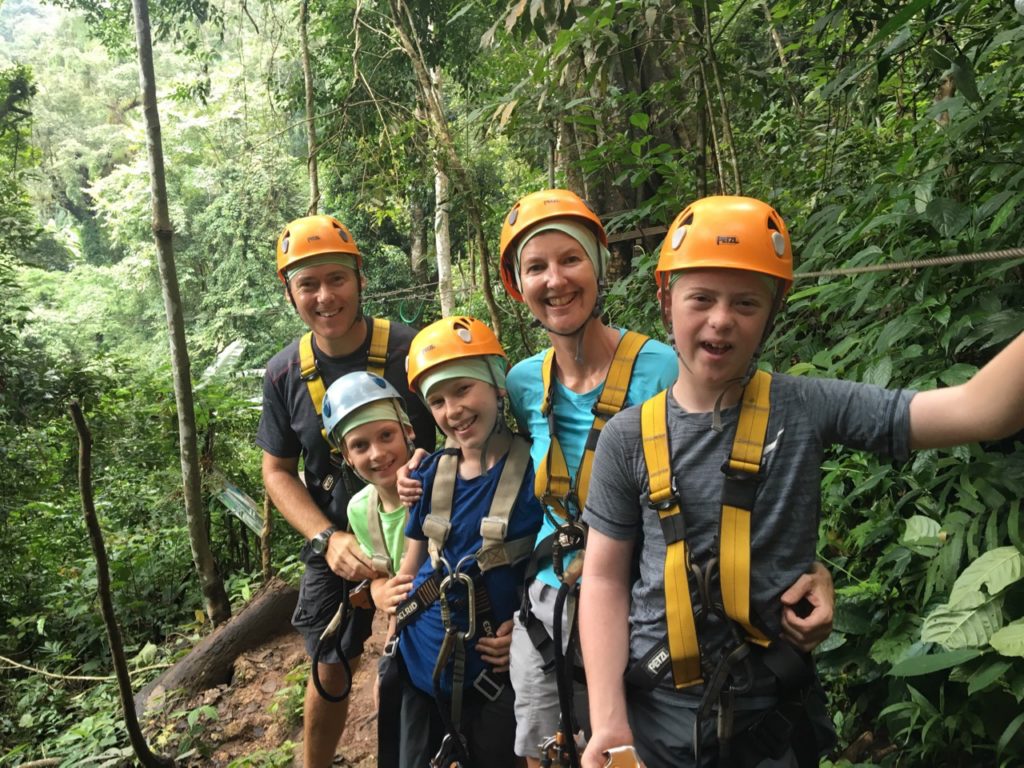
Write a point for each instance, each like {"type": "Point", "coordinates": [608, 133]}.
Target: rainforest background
{"type": "Point", "coordinates": [883, 132]}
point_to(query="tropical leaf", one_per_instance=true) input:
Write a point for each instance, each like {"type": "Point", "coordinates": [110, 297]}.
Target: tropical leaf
{"type": "Point", "coordinates": [995, 571]}
{"type": "Point", "coordinates": [987, 675]}
{"type": "Point", "coordinates": [963, 627]}
{"type": "Point", "coordinates": [933, 662]}
{"type": "Point", "coordinates": [1009, 641]}
{"type": "Point", "coordinates": [921, 530]}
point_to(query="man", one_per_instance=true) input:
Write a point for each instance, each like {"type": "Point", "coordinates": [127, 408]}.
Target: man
{"type": "Point", "coordinates": [321, 268]}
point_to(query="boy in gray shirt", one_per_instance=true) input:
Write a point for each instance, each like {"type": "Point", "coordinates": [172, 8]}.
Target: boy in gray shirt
{"type": "Point", "coordinates": [701, 633]}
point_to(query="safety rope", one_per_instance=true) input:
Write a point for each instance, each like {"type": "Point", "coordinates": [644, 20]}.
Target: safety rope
{"type": "Point", "coordinates": [938, 261]}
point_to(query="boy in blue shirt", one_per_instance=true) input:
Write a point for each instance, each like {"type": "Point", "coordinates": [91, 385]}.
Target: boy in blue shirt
{"type": "Point", "coordinates": [469, 538]}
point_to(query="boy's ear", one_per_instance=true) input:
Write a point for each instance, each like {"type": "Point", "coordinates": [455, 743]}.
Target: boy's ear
{"type": "Point", "coordinates": [409, 431]}
{"type": "Point", "coordinates": [344, 452]}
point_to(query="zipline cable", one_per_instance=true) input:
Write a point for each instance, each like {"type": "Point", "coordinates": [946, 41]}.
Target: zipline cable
{"type": "Point", "coordinates": [961, 258]}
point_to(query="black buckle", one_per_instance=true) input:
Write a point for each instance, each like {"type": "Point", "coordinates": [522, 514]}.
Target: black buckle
{"type": "Point", "coordinates": [570, 537]}
{"type": "Point", "coordinates": [740, 487]}
{"type": "Point", "coordinates": [390, 646]}
{"type": "Point", "coordinates": [487, 686]}
{"type": "Point", "coordinates": [672, 500]}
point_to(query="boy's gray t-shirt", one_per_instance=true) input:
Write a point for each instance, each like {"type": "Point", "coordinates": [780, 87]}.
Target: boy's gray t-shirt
{"type": "Point", "coordinates": [806, 416]}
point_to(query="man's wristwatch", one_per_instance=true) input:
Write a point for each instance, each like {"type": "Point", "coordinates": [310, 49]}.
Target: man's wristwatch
{"type": "Point", "coordinates": [319, 542]}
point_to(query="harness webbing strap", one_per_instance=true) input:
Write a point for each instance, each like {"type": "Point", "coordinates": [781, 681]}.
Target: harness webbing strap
{"type": "Point", "coordinates": [495, 550]}
{"type": "Point", "coordinates": [494, 528]}
{"type": "Point", "coordinates": [376, 359]}
{"type": "Point", "coordinates": [739, 490]}
{"type": "Point", "coordinates": [742, 475]}
{"type": "Point", "coordinates": [310, 373]}
{"type": "Point", "coordinates": [552, 484]}
{"type": "Point", "coordinates": [682, 630]}
{"type": "Point", "coordinates": [380, 558]}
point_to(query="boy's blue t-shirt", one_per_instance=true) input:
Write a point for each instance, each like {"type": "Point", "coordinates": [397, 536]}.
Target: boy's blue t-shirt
{"type": "Point", "coordinates": [656, 369]}
{"type": "Point", "coordinates": [420, 641]}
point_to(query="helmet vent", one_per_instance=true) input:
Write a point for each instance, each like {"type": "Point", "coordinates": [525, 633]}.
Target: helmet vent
{"type": "Point", "coordinates": [778, 243]}
{"type": "Point", "coordinates": [679, 235]}
{"type": "Point", "coordinates": [285, 242]}
{"type": "Point", "coordinates": [513, 216]}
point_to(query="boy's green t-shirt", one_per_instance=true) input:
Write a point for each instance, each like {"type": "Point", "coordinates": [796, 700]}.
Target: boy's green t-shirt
{"type": "Point", "coordinates": [392, 523]}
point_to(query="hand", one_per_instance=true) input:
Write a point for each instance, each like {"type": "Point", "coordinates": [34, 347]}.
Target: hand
{"type": "Point", "coordinates": [393, 593]}
{"type": "Point", "coordinates": [495, 650]}
{"type": "Point", "coordinates": [600, 741]}
{"type": "Point", "coordinates": [813, 590]}
{"type": "Point", "coordinates": [346, 558]}
{"type": "Point", "coordinates": [409, 489]}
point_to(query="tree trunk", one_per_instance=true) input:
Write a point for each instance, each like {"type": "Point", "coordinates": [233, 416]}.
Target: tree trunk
{"type": "Point", "coordinates": [417, 236]}
{"type": "Point", "coordinates": [124, 682]}
{"type": "Point", "coordinates": [429, 84]}
{"type": "Point", "coordinates": [307, 73]}
{"type": "Point", "coordinates": [729, 143]}
{"type": "Point", "coordinates": [443, 241]}
{"type": "Point", "coordinates": [211, 661]}
{"type": "Point", "coordinates": [215, 598]}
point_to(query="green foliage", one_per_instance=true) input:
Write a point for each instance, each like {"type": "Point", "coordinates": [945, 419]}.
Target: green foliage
{"type": "Point", "coordinates": [883, 133]}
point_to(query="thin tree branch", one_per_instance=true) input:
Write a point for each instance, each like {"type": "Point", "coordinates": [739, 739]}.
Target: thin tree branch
{"type": "Point", "coordinates": [124, 684]}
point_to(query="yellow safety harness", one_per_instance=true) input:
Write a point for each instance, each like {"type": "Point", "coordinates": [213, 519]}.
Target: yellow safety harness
{"type": "Point", "coordinates": [742, 475]}
{"type": "Point", "coordinates": [552, 484]}
{"type": "Point", "coordinates": [376, 359]}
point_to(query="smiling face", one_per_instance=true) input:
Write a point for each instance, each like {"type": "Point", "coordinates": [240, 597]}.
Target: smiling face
{"type": "Point", "coordinates": [376, 450]}
{"type": "Point", "coordinates": [327, 299]}
{"type": "Point", "coordinates": [718, 320]}
{"type": "Point", "coordinates": [465, 409]}
{"type": "Point", "coordinates": [558, 281]}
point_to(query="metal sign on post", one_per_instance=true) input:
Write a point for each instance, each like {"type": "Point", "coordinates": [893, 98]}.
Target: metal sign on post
{"type": "Point", "coordinates": [241, 505]}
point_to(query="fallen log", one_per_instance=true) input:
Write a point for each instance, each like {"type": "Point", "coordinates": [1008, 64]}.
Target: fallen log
{"type": "Point", "coordinates": [211, 661]}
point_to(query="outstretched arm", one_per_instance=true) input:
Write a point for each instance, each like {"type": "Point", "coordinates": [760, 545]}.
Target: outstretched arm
{"type": "Point", "coordinates": [988, 407]}
{"type": "Point", "coordinates": [807, 609]}
{"type": "Point", "coordinates": [604, 638]}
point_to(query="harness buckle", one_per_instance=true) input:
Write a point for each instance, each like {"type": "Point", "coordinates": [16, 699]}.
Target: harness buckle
{"type": "Point", "coordinates": [390, 647]}
{"type": "Point", "coordinates": [493, 528]}
{"type": "Point", "coordinates": [570, 537]}
{"type": "Point", "coordinates": [359, 595]}
{"type": "Point", "coordinates": [668, 502]}
{"type": "Point", "coordinates": [487, 686]}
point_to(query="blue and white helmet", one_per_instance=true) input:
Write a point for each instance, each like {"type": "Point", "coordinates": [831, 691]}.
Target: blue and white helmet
{"type": "Point", "coordinates": [350, 393]}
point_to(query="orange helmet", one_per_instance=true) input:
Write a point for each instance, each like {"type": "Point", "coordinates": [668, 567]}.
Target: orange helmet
{"type": "Point", "coordinates": [313, 236]}
{"type": "Point", "coordinates": [731, 232]}
{"type": "Point", "coordinates": [450, 338]}
{"type": "Point", "coordinates": [532, 209]}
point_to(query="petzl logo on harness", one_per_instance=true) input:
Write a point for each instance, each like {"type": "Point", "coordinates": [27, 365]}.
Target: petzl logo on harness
{"type": "Point", "coordinates": [654, 665]}
{"type": "Point", "coordinates": [727, 240]}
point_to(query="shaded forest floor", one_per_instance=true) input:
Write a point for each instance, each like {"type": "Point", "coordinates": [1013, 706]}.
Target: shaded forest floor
{"type": "Point", "coordinates": [249, 728]}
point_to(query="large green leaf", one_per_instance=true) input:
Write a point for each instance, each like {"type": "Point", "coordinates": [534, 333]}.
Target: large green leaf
{"type": "Point", "coordinates": [963, 627]}
{"type": "Point", "coordinates": [1009, 640]}
{"type": "Point", "coordinates": [921, 530]}
{"type": "Point", "coordinates": [995, 571]}
{"type": "Point", "coordinates": [934, 662]}
{"type": "Point", "coordinates": [987, 675]}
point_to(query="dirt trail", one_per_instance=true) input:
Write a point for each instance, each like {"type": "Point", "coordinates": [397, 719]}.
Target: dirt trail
{"type": "Point", "coordinates": [245, 725]}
